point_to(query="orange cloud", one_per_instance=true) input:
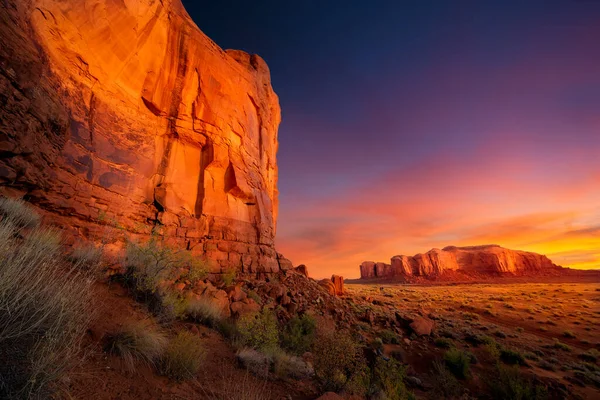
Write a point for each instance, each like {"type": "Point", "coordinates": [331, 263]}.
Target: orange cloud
{"type": "Point", "coordinates": [440, 202]}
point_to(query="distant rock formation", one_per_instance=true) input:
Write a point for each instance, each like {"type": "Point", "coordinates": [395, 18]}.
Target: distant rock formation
{"type": "Point", "coordinates": [124, 111]}
{"type": "Point", "coordinates": [476, 260]}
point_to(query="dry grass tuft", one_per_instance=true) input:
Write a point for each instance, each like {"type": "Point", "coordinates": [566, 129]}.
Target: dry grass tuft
{"type": "Point", "coordinates": [183, 357]}
{"type": "Point", "coordinates": [45, 305]}
{"type": "Point", "coordinates": [137, 342]}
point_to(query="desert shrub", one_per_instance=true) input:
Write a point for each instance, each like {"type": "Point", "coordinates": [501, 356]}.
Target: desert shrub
{"type": "Point", "coordinates": [444, 343]}
{"type": "Point", "coordinates": [198, 269]}
{"type": "Point", "coordinates": [531, 356]}
{"type": "Point", "coordinates": [259, 331]}
{"type": "Point", "coordinates": [508, 384]}
{"type": "Point", "coordinates": [285, 365]}
{"type": "Point", "coordinates": [469, 316]}
{"type": "Point", "coordinates": [560, 346]}
{"type": "Point", "coordinates": [18, 214]}
{"type": "Point", "coordinates": [86, 256]}
{"type": "Point", "coordinates": [254, 361]}
{"type": "Point", "coordinates": [569, 335]}
{"type": "Point", "coordinates": [388, 377]}
{"type": "Point", "coordinates": [337, 359]}
{"type": "Point", "coordinates": [445, 385]}
{"type": "Point", "coordinates": [548, 366]}
{"type": "Point", "coordinates": [229, 276]}
{"type": "Point", "coordinates": [592, 355]}
{"type": "Point", "coordinates": [137, 342]}
{"type": "Point", "coordinates": [299, 334]}
{"type": "Point", "coordinates": [389, 337]}
{"type": "Point", "coordinates": [254, 296]}
{"type": "Point", "coordinates": [183, 357]}
{"type": "Point", "coordinates": [512, 356]}
{"type": "Point", "coordinates": [204, 311]}
{"type": "Point", "coordinates": [228, 328]}
{"type": "Point", "coordinates": [150, 263]}
{"type": "Point", "coordinates": [493, 351]}
{"type": "Point", "coordinates": [45, 305]}
{"type": "Point", "coordinates": [500, 334]}
{"type": "Point", "coordinates": [458, 362]}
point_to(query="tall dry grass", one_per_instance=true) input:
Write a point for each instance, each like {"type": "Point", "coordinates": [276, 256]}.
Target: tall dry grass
{"type": "Point", "coordinates": [45, 305]}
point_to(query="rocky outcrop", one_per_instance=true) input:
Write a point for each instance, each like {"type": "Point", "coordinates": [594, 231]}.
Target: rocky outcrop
{"type": "Point", "coordinates": [476, 260]}
{"type": "Point", "coordinates": [333, 286]}
{"type": "Point", "coordinates": [124, 113]}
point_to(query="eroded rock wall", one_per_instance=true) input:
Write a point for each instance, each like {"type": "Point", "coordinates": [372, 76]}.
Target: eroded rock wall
{"type": "Point", "coordinates": [125, 113]}
{"type": "Point", "coordinates": [477, 260]}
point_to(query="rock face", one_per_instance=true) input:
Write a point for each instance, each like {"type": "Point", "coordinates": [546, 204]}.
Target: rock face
{"type": "Point", "coordinates": [125, 113]}
{"type": "Point", "coordinates": [476, 260]}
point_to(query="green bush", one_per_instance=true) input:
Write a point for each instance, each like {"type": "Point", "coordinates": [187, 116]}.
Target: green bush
{"type": "Point", "coordinates": [183, 357]}
{"type": "Point", "coordinates": [458, 362]}
{"type": "Point", "coordinates": [560, 346]}
{"type": "Point", "coordinates": [511, 356]}
{"type": "Point", "coordinates": [259, 331]}
{"type": "Point", "coordinates": [150, 263]}
{"type": "Point", "coordinates": [389, 337]}
{"type": "Point", "coordinates": [388, 377]}
{"type": "Point", "coordinates": [569, 335]}
{"type": "Point", "coordinates": [592, 355]}
{"type": "Point", "coordinates": [445, 385]}
{"type": "Point", "coordinates": [337, 360]}
{"type": "Point", "coordinates": [229, 276]}
{"type": "Point", "coordinates": [508, 384]}
{"type": "Point", "coordinates": [299, 334]}
{"type": "Point", "coordinates": [45, 305]}
{"type": "Point", "coordinates": [137, 341]}
{"type": "Point", "coordinates": [443, 343]}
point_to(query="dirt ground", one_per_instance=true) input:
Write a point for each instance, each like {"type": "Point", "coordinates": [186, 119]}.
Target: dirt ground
{"type": "Point", "coordinates": [106, 377]}
{"type": "Point", "coordinates": [551, 324]}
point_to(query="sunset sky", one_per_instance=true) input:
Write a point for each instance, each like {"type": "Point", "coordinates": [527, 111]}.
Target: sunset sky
{"type": "Point", "coordinates": [413, 125]}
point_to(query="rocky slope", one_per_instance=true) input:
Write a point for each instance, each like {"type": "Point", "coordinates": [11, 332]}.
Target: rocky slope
{"type": "Point", "coordinates": [125, 113]}
{"type": "Point", "coordinates": [474, 260]}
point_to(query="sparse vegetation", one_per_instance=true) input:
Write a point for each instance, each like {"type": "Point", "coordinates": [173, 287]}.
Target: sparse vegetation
{"type": "Point", "coordinates": [229, 276]}
{"type": "Point", "coordinates": [337, 359]}
{"type": "Point", "coordinates": [298, 334]}
{"type": "Point", "coordinates": [512, 356]}
{"type": "Point", "coordinates": [389, 337]}
{"type": "Point", "coordinates": [45, 305]}
{"type": "Point", "coordinates": [137, 342]}
{"type": "Point", "coordinates": [86, 256]}
{"type": "Point", "coordinates": [445, 384]}
{"type": "Point", "coordinates": [183, 357]}
{"type": "Point", "coordinates": [204, 311]}
{"type": "Point", "coordinates": [388, 377]}
{"type": "Point", "coordinates": [509, 384]}
{"type": "Point", "coordinates": [443, 343]}
{"type": "Point", "coordinates": [569, 335]}
{"type": "Point", "coordinates": [259, 331]}
{"type": "Point", "coordinates": [458, 362]}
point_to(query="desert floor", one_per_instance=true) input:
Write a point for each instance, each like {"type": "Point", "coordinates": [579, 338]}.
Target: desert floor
{"type": "Point", "coordinates": [554, 326]}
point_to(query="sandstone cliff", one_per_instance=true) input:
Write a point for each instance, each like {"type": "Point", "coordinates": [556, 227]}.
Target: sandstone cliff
{"type": "Point", "coordinates": [474, 260]}
{"type": "Point", "coordinates": [124, 111]}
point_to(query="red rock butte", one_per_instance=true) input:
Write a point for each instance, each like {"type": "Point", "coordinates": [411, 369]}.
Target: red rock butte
{"type": "Point", "coordinates": [472, 260]}
{"type": "Point", "coordinates": [125, 111]}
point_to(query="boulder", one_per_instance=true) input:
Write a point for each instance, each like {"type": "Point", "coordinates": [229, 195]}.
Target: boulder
{"type": "Point", "coordinates": [328, 285]}
{"type": "Point", "coordinates": [422, 326]}
{"type": "Point", "coordinates": [302, 269]}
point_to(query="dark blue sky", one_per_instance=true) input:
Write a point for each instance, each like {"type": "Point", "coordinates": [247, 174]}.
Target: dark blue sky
{"type": "Point", "coordinates": [386, 97]}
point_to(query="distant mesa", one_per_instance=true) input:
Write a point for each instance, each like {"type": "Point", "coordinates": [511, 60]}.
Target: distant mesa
{"type": "Point", "coordinates": [475, 261]}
